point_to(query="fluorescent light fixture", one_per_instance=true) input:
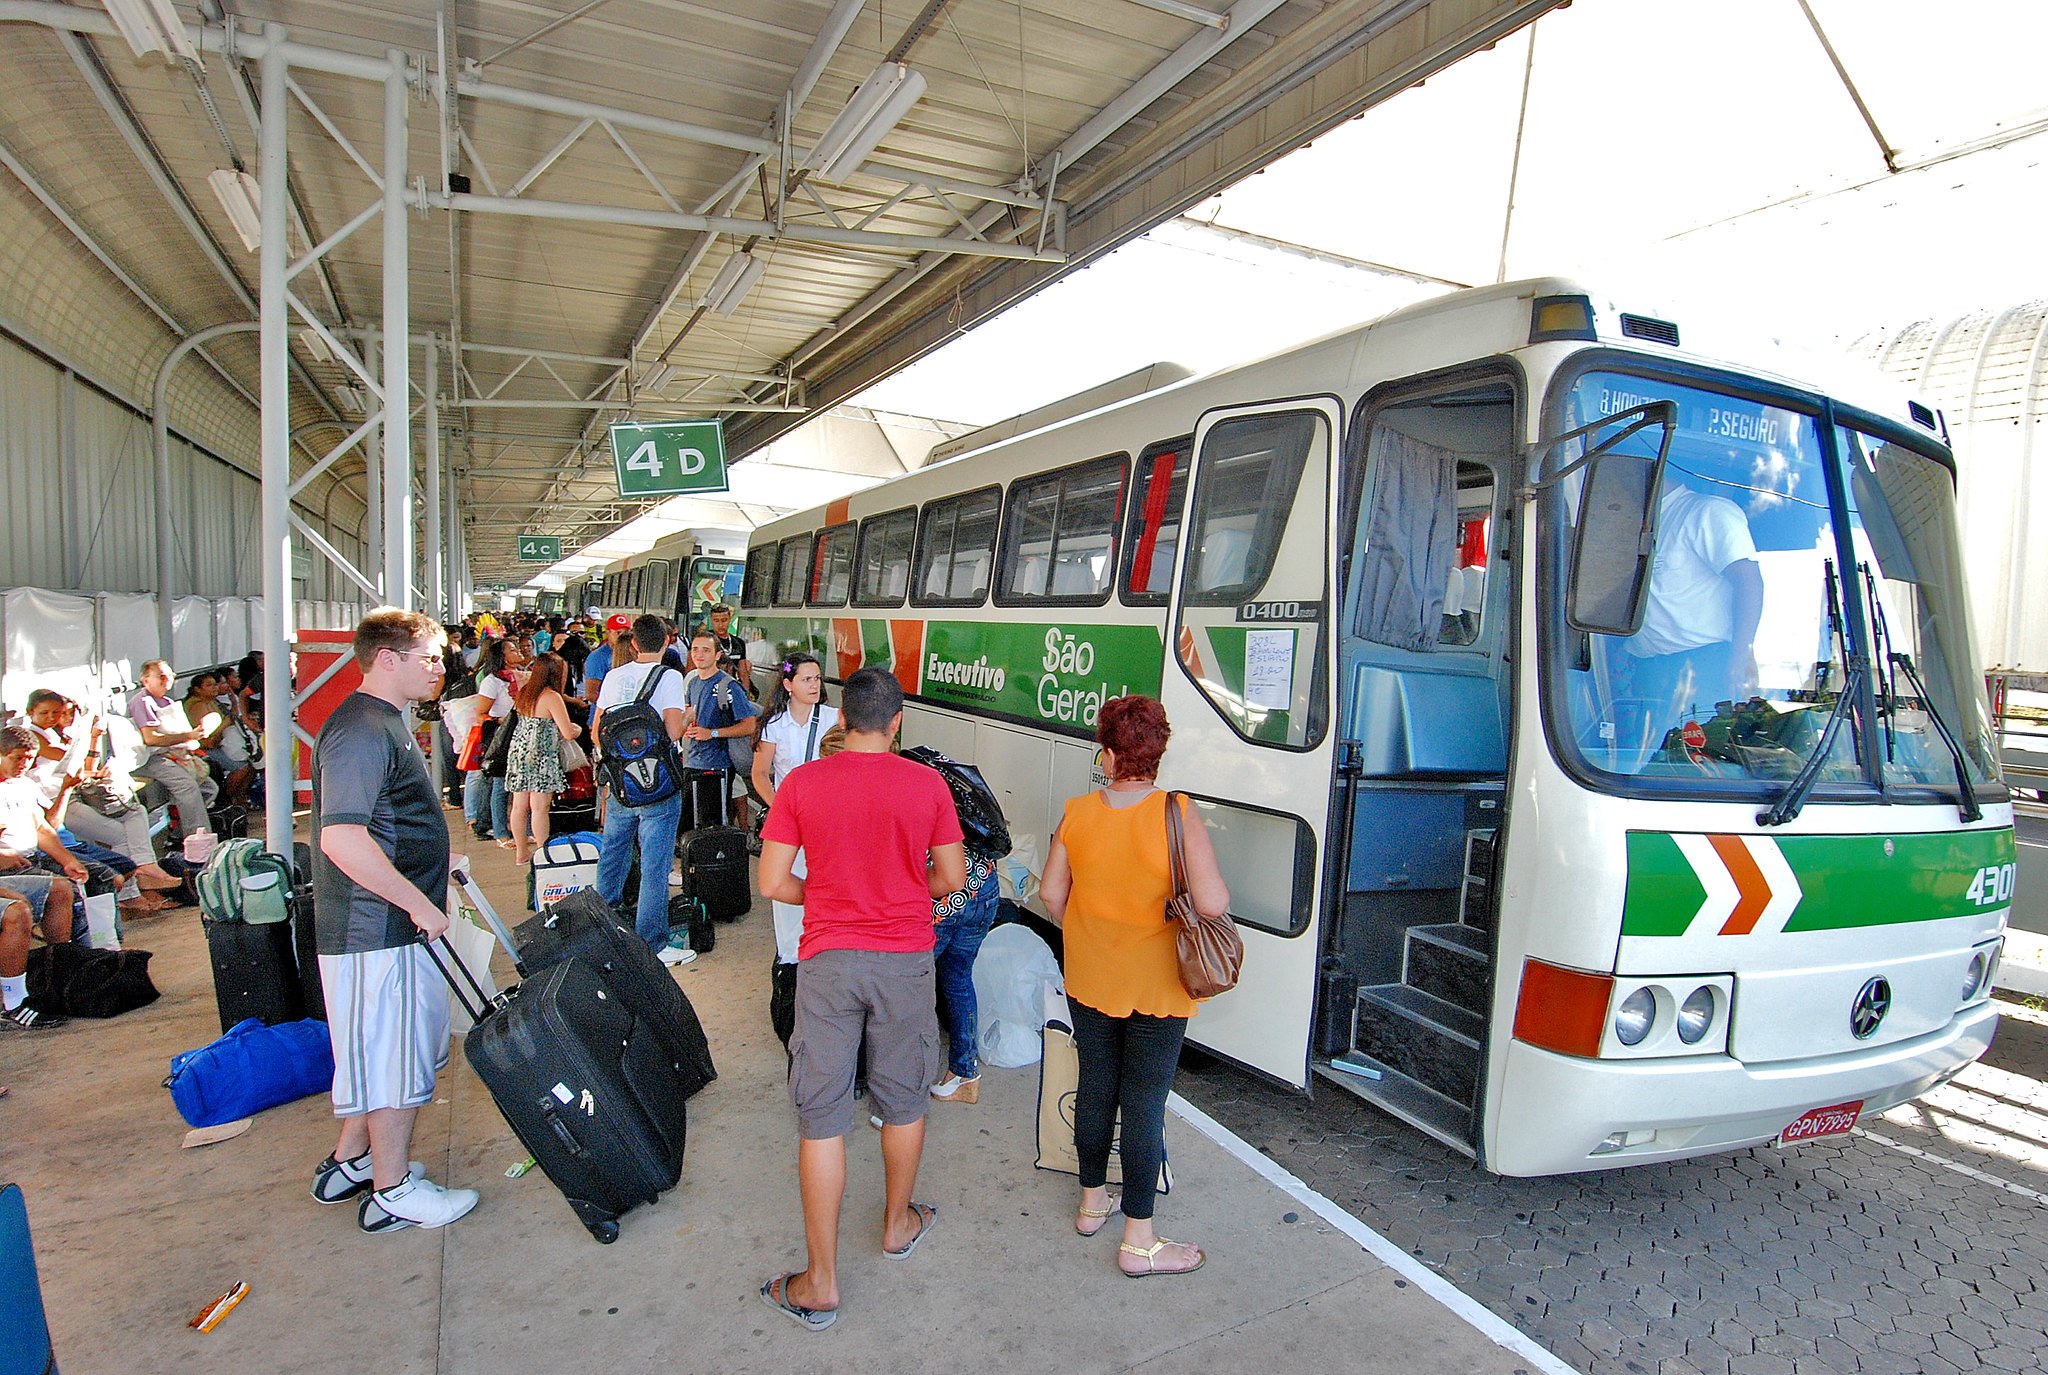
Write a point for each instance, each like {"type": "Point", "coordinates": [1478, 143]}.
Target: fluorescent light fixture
{"type": "Point", "coordinates": [657, 377]}
{"type": "Point", "coordinates": [242, 201]}
{"type": "Point", "coordinates": [882, 100]}
{"type": "Point", "coordinates": [152, 26]}
{"type": "Point", "coordinates": [733, 282]}
{"type": "Point", "coordinates": [315, 343]}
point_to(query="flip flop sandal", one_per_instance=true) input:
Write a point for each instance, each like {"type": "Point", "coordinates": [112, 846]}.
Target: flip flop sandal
{"type": "Point", "coordinates": [1150, 1255]}
{"type": "Point", "coordinates": [816, 1319]}
{"type": "Point", "coordinates": [1099, 1216]}
{"type": "Point", "coordinates": [927, 1218]}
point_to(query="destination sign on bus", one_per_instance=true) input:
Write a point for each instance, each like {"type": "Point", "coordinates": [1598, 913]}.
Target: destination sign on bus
{"type": "Point", "coordinates": [1704, 415]}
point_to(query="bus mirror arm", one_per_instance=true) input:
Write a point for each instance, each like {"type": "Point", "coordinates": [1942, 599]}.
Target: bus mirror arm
{"type": "Point", "coordinates": [1615, 534]}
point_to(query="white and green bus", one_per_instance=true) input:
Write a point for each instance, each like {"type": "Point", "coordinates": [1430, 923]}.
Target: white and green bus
{"type": "Point", "coordinates": [1589, 729]}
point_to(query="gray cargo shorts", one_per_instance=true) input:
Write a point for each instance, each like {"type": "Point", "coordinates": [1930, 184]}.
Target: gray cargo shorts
{"type": "Point", "coordinates": [842, 994]}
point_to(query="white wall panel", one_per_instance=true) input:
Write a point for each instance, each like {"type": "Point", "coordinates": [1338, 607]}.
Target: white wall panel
{"type": "Point", "coordinates": [191, 634]}
{"type": "Point", "coordinates": [230, 629]}
{"type": "Point", "coordinates": [127, 636]}
{"type": "Point", "coordinates": [49, 639]}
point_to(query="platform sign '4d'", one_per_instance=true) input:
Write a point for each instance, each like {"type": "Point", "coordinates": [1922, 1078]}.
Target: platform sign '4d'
{"type": "Point", "coordinates": [669, 459]}
{"type": "Point", "coordinates": [540, 548]}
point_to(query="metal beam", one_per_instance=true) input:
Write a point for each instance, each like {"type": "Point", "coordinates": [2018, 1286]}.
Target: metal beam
{"type": "Point", "coordinates": [273, 168]}
{"type": "Point", "coordinates": [397, 272]}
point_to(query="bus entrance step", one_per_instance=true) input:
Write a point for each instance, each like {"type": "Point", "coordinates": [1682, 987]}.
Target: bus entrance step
{"type": "Point", "coordinates": [1449, 960]}
{"type": "Point", "coordinates": [1433, 1042]}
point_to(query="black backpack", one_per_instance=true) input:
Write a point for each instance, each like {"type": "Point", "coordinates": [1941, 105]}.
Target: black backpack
{"type": "Point", "coordinates": [982, 823]}
{"type": "Point", "coordinates": [638, 758]}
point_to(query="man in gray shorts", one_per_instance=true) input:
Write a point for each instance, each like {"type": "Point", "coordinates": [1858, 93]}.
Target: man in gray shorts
{"type": "Point", "coordinates": [380, 875]}
{"type": "Point", "coordinates": [881, 839]}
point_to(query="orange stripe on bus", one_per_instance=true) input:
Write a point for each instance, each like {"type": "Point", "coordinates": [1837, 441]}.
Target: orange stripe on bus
{"type": "Point", "coordinates": [1750, 883]}
{"type": "Point", "coordinates": [906, 638]}
{"type": "Point", "coordinates": [835, 513]}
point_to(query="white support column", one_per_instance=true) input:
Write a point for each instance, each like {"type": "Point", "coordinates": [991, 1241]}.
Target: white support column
{"type": "Point", "coordinates": [373, 483]}
{"type": "Point", "coordinates": [437, 602]}
{"type": "Point", "coordinates": [273, 323]}
{"type": "Point", "coordinates": [398, 511]}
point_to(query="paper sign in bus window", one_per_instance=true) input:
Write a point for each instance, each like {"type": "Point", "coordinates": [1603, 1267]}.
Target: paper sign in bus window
{"type": "Point", "coordinates": [1269, 669]}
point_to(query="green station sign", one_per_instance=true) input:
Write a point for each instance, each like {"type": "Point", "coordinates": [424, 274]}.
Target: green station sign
{"type": "Point", "coordinates": [540, 548]}
{"type": "Point", "coordinates": [671, 458]}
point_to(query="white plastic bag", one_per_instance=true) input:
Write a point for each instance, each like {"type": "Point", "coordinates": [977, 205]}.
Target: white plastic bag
{"type": "Point", "coordinates": [1010, 977]}
{"type": "Point", "coordinates": [1018, 871]}
{"type": "Point", "coordinates": [474, 944]}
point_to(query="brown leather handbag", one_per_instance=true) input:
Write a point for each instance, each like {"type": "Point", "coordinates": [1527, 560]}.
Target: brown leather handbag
{"type": "Point", "coordinates": [1210, 950]}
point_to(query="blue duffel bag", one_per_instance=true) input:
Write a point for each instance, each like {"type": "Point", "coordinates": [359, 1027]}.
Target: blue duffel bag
{"type": "Point", "coordinates": [250, 1068]}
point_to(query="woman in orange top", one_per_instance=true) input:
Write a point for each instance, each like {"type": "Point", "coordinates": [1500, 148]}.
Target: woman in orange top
{"type": "Point", "coordinates": [1106, 882]}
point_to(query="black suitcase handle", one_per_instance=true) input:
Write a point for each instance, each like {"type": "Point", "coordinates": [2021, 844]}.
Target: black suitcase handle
{"type": "Point", "coordinates": [482, 1009]}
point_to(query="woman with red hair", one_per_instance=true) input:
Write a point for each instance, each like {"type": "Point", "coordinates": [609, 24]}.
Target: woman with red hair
{"type": "Point", "coordinates": [533, 768]}
{"type": "Point", "coordinates": [1106, 882]}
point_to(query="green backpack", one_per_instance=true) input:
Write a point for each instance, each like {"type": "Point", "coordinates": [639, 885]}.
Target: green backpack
{"type": "Point", "coordinates": [244, 882]}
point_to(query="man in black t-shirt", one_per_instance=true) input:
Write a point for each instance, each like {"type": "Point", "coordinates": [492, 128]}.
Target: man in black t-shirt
{"type": "Point", "coordinates": [380, 873]}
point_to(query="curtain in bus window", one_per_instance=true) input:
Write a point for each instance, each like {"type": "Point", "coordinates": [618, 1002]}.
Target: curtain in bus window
{"type": "Point", "coordinates": [1411, 541]}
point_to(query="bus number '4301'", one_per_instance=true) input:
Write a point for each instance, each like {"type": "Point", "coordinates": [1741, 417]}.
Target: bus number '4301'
{"type": "Point", "coordinates": [1992, 884]}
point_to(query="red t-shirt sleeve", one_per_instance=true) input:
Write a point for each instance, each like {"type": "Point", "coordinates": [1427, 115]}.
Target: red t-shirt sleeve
{"type": "Point", "coordinates": [945, 817]}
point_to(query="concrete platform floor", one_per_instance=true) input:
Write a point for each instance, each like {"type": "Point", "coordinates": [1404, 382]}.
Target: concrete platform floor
{"type": "Point", "coordinates": [134, 1235]}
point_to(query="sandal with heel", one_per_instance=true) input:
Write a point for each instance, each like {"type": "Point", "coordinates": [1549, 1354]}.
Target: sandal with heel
{"type": "Point", "coordinates": [1150, 1255]}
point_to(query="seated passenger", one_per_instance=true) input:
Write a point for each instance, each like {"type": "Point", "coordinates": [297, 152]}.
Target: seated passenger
{"type": "Point", "coordinates": [27, 840]}
{"type": "Point", "coordinates": [95, 817]}
{"type": "Point", "coordinates": [221, 741]}
{"type": "Point", "coordinates": [24, 901]}
{"type": "Point", "coordinates": [173, 747]}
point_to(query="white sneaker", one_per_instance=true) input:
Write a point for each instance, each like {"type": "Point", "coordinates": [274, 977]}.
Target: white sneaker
{"type": "Point", "coordinates": [675, 877]}
{"type": "Point", "coordinates": [673, 955]}
{"type": "Point", "coordinates": [415, 1201]}
{"type": "Point", "coordinates": [338, 1181]}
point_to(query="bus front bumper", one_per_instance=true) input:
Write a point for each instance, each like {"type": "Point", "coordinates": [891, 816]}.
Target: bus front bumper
{"type": "Point", "coordinates": [1559, 1114]}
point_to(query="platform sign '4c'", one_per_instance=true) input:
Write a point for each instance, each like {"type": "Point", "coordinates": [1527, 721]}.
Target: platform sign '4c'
{"type": "Point", "coordinates": [669, 459]}
{"type": "Point", "coordinates": [540, 548]}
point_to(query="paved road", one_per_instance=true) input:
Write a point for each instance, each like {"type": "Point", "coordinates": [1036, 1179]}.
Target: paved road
{"type": "Point", "coordinates": [1890, 1251]}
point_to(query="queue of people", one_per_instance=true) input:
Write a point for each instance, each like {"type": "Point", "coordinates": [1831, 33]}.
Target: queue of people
{"type": "Point", "coordinates": [880, 899]}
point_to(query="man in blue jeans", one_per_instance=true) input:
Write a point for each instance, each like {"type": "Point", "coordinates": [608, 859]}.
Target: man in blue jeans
{"type": "Point", "coordinates": [651, 828]}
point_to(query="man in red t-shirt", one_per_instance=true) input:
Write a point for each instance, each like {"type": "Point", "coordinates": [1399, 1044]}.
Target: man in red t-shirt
{"type": "Point", "coordinates": [881, 839]}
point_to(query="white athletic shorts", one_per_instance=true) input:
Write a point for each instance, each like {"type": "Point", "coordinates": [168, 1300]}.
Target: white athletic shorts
{"type": "Point", "coordinates": [387, 1014]}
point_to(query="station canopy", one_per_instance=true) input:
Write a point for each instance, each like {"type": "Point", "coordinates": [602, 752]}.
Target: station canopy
{"type": "Point", "coordinates": [651, 209]}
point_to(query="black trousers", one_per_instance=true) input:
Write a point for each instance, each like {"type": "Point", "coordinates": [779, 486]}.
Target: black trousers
{"type": "Point", "coordinates": [1127, 1066]}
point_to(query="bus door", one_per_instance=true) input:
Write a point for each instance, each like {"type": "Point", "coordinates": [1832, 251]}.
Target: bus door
{"type": "Point", "coordinates": [1248, 691]}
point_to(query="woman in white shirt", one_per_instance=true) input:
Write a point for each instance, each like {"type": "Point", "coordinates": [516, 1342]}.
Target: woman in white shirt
{"type": "Point", "coordinates": [794, 721]}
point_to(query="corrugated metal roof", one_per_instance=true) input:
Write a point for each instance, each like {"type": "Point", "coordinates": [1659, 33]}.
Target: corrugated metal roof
{"type": "Point", "coordinates": [1129, 111]}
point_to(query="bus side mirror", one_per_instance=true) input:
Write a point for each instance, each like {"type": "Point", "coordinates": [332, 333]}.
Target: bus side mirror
{"type": "Point", "coordinates": [1613, 544]}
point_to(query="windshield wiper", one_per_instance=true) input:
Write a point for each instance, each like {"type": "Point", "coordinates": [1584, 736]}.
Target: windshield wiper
{"type": "Point", "coordinates": [1787, 806]}
{"type": "Point", "coordinates": [1966, 794]}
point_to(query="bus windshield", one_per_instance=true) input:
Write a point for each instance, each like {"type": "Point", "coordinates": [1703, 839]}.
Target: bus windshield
{"type": "Point", "coordinates": [1757, 592]}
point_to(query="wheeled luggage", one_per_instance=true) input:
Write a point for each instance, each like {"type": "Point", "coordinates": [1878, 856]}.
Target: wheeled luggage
{"type": "Point", "coordinates": [714, 864]}
{"type": "Point", "coordinates": [582, 926]}
{"type": "Point", "coordinates": [255, 972]}
{"type": "Point", "coordinates": [587, 1086]}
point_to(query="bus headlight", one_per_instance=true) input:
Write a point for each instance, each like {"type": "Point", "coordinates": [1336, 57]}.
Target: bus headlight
{"type": "Point", "coordinates": [1633, 1018]}
{"type": "Point", "coordinates": [1973, 977]}
{"type": "Point", "coordinates": [1696, 1015]}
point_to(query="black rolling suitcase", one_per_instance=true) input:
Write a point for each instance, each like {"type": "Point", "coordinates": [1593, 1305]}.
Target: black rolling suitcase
{"type": "Point", "coordinates": [255, 972]}
{"type": "Point", "coordinates": [583, 927]}
{"type": "Point", "coordinates": [714, 865]}
{"type": "Point", "coordinates": [586, 1086]}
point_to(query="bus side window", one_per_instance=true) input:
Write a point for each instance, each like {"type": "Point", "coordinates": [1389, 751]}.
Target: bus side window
{"type": "Point", "coordinates": [1159, 485]}
{"type": "Point", "coordinates": [955, 541]}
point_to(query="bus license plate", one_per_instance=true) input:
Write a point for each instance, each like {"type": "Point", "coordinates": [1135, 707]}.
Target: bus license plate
{"type": "Point", "coordinates": [1830, 1121]}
